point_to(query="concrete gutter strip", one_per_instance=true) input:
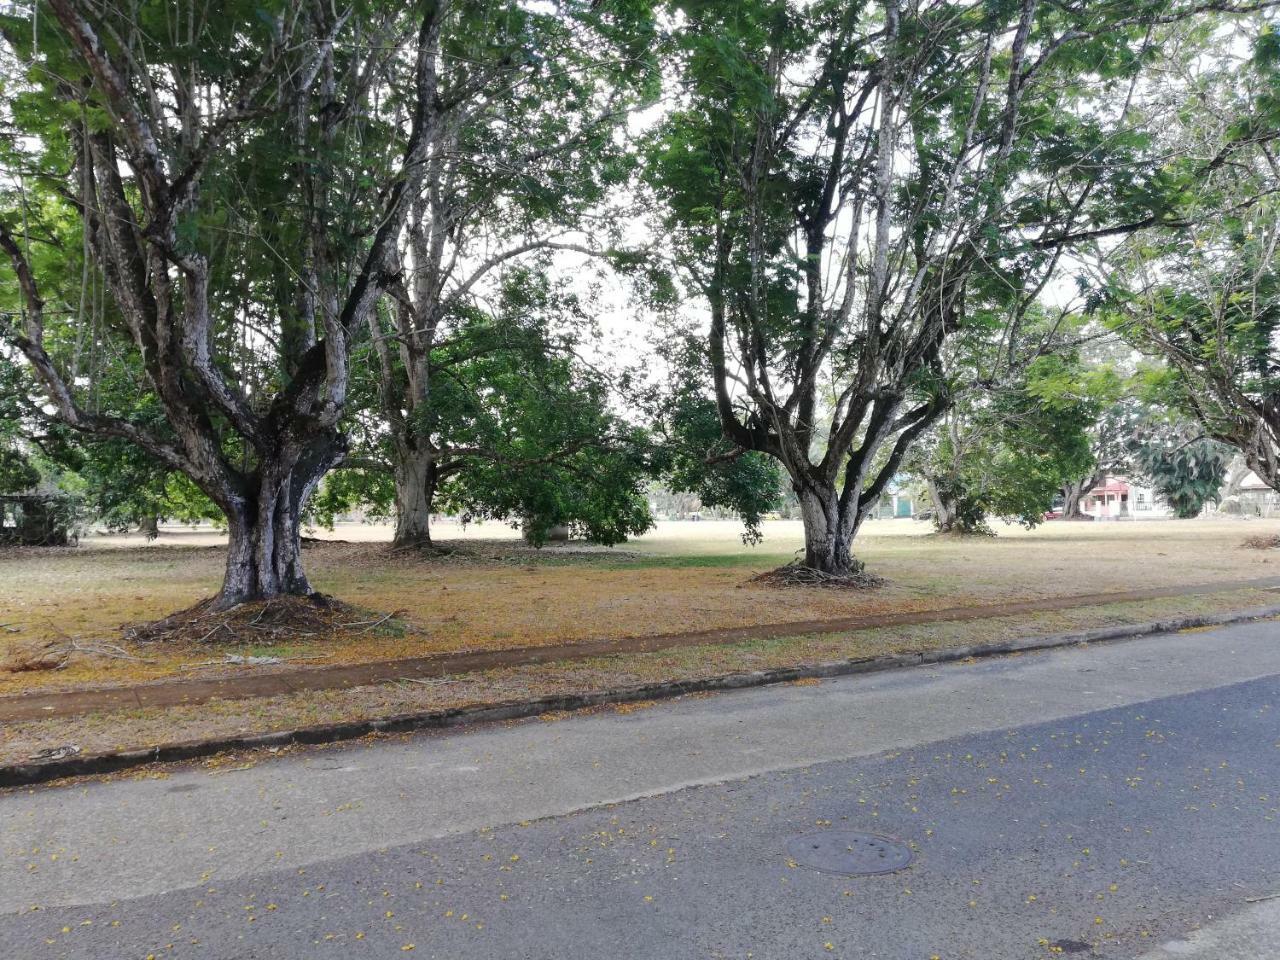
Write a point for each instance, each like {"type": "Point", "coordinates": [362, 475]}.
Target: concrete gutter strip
{"type": "Point", "coordinates": [27, 774]}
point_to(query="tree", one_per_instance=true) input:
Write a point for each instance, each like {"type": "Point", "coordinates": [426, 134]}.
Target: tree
{"type": "Point", "coordinates": [241, 179]}
{"type": "Point", "coordinates": [520, 420]}
{"type": "Point", "coordinates": [519, 170]}
{"type": "Point", "coordinates": [1206, 299]}
{"type": "Point", "coordinates": [693, 457]}
{"type": "Point", "coordinates": [842, 179]}
{"type": "Point", "coordinates": [522, 426]}
{"type": "Point", "coordinates": [1007, 452]}
{"type": "Point", "coordinates": [1185, 468]}
{"type": "Point", "coordinates": [1115, 415]}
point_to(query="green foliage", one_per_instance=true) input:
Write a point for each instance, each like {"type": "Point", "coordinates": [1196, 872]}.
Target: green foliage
{"type": "Point", "coordinates": [1205, 300]}
{"type": "Point", "coordinates": [1042, 443]}
{"type": "Point", "coordinates": [34, 453]}
{"type": "Point", "coordinates": [1008, 452]}
{"type": "Point", "coordinates": [347, 490]}
{"type": "Point", "coordinates": [17, 473]}
{"type": "Point", "coordinates": [695, 458]}
{"type": "Point", "coordinates": [1185, 468]}
{"type": "Point", "coordinates": [524, 423]}
{"type": "Point", "coordinates": [124, 487]}
{"type": "Point", "coordinates": [692, 454]}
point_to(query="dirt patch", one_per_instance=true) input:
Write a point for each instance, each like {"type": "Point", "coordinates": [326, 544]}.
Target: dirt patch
{"type": "Point", "coordinates": [259, 621]}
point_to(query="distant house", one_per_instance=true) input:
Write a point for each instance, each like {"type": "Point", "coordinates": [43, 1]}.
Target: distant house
{"type": "Point", "coordinates": [895, 504]}
{"type": "Point", "coordinates": [1254, 497]}
{"type": "Point", "coordinates": [1119, 498]}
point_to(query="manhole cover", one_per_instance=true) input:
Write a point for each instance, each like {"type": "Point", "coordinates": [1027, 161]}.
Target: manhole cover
{"type": "Point", "coordinates": [849, 852]}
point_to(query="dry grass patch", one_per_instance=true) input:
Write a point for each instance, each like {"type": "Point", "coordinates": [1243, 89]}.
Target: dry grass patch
{"type": "Point", "coordinates": [500, 599]}
{"type": "Point", "coordinates": [138, 728]}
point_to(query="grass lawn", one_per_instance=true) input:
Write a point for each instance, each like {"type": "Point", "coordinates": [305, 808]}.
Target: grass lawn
{"type": "Point", "coordinates": [681, 577]}
{"type": "Point", "coordinates": [108, 731]}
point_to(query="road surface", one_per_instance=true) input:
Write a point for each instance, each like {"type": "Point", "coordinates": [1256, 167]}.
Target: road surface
{"type": "Point", "coordinates": [1117, 801]}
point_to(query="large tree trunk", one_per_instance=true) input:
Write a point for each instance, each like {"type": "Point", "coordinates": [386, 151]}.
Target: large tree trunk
{"type": "Point", "coordinates": [264, 550]}
{"type": "Point", "coordinates": [264, 560]}
{"type": "Point", "coordinates": [1072, 493]}
{"type": "Point", "coordinates": [828, 532]}
{"type": "Point", "coordinates": [415, 474]}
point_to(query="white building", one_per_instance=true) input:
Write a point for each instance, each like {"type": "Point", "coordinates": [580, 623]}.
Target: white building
{"type": "Point", "coordinates": [1119, 498]}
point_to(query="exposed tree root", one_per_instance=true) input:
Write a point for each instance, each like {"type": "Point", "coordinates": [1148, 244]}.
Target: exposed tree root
{"type": "Point", "coordinates": [261, 621]}
{"type": "Point", "coordinates": [57, 653]}
{"type": "Point", "coordinates": [798, 575]}
{"type": "Point", "coordinates": [319, 541]}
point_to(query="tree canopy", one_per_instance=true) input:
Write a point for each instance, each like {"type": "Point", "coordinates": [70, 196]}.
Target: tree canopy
{"type": "Point", "coordinates": [301, 257]}
{"type": "Point", "coordinates": [848, 187]}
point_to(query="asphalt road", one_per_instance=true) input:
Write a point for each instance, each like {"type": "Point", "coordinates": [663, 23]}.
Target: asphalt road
{"type": "Point", "coordinates": [1105, 802]}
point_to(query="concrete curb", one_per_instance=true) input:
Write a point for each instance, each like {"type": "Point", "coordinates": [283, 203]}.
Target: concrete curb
{"type": "Point", "coordinates": [27, 774]}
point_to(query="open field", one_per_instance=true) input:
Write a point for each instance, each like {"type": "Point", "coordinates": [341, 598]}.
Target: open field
{"type": "Point", "coordinates": [681, 577]}
{"type": "Point", "coordinates": [495, 595]}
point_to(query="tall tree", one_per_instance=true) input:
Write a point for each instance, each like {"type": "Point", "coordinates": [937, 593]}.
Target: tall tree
{"type": "Point", "coordinates": [521, 169]}
{"type": "Point", "coordinates": [841, 180]}
{"type": "Point", "coordinates": [1006, 451]}
{"type": "Point", "coordinates": [518, 421]}
{"type": "Point", "coordinates": [1206, 299]}
{"type": "Point", "coordinates": [240, 179]}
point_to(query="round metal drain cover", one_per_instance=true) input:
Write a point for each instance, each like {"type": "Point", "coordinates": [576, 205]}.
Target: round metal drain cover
{"type": "Point", "coordinates": [849, 852]}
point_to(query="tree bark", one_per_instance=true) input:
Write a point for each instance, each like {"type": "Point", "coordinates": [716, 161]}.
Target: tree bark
{"type": "Point", "coordinates": [828, 532]}
{"type": "Point", "coordinates": [149, 527]}
{"type": "Point", "coordinates": [1071, 501]}
{"type": "Point", "coordinates": [264, 523]}
{"type": "Point", "coordinates": [944, 509]}
{"type": "Point", "coordinates": [416, 477]}
{"type": "Point", "coordinates": [1073, 491]}
{"type": "Point", "coordinates": [264, 559]}
{"type": "Point", "coordinates": [1237, 471]}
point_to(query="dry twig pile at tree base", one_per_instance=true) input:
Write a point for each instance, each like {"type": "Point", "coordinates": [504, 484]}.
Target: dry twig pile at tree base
{"type": "Point", "coordinates": [799, 575]}
{"type": "Point", "coordinates": [260, 621]}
